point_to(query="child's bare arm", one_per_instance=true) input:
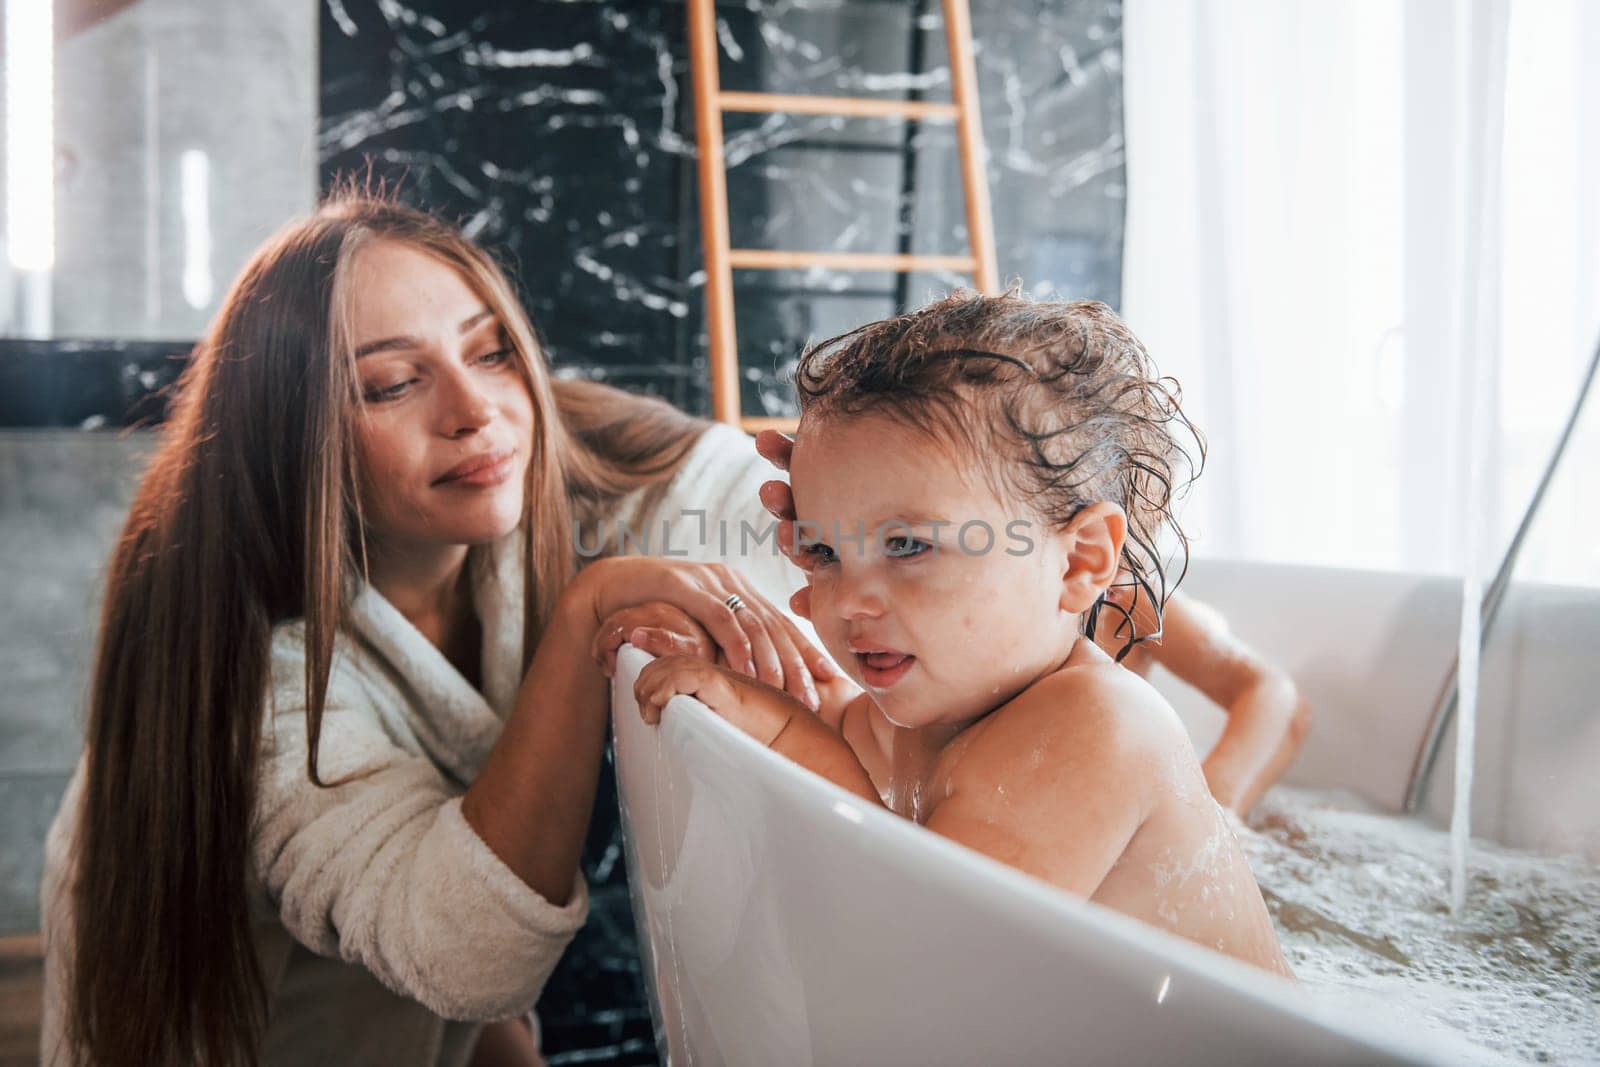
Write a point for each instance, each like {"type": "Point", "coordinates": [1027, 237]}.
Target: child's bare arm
{"type": "Point", "coordinates": [1059, 782]}
{"type": "Point", "coordinates": [836, 694]}
{"type": "Point", "coordinates": [769, 715]}
{"type": "Point", "coordinates": [1267, 718]}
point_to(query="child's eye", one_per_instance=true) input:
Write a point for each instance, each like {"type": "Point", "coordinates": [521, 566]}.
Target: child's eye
{"type": "Point", "coordinates": [904, 547]}
{"type": "Point", "coordinates": [819, 552]}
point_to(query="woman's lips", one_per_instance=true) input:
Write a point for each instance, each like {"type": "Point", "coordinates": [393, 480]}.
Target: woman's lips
{"type": "Point", "coordinates": [880, 670]}
{"type": "Point", "coordinates": [480, 472]}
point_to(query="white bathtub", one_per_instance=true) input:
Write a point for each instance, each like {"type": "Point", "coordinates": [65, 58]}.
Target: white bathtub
{"type": "Point", "coordinates": [783, 921]}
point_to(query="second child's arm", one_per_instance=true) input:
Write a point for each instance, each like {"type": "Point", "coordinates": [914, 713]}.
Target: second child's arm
{"type": "Point", "coordinates": [1267, 718]}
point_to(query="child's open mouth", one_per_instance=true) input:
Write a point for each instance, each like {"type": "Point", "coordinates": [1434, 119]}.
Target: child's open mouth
{"type": "Point", "coordinates": [882, 669]}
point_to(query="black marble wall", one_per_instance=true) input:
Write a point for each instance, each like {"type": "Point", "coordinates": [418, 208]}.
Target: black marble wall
{"type": "Point", "coordinates": [560, 134]}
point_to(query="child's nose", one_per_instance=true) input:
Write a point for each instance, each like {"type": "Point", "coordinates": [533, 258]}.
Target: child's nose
{"type": "Point", "coordinates": [858, 595]}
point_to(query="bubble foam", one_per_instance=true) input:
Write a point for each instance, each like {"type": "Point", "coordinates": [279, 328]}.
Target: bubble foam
{"type": "Point", "coordinates": [1361, 901]}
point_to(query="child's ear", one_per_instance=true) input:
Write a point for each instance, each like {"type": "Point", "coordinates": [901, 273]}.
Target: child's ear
{"type": "Point", "coordinates": [1092, 542]}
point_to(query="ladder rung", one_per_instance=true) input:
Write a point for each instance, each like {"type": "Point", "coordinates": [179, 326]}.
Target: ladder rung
{"type": "Point", "coordinates": [853, 106]}
{"type": "Point", "coordinates": [756, 423]}
{"type": "Point", "coordinates": [764, 259]}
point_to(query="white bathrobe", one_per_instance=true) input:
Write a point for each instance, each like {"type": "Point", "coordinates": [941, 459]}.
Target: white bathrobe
{"type": "Point", "coordinates": [385, 926]}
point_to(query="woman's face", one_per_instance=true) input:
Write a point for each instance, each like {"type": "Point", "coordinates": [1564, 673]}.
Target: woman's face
{"type": "Point", "coordinates": [446, 421]}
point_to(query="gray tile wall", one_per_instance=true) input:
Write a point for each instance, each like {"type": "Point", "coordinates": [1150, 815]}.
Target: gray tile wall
{"type": "Point", "coordinates": [63, 495]}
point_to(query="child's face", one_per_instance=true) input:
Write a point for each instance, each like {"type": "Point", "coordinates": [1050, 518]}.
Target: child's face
{"type": "Point", "coordinates": [940, 627]}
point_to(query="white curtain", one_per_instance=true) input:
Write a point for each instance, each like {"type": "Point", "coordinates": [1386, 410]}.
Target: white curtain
{"type": "Point", "coordinates": [1345, 222]}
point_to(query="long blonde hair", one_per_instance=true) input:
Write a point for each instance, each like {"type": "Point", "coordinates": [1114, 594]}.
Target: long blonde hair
{"type": "Point", "coordinates": [248, 516]}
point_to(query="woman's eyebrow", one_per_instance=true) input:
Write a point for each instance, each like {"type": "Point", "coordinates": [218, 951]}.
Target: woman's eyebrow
{"type": "Point", "coordinates": [474, 319]}
{"type": "Point", "coordinates": [404, 341]}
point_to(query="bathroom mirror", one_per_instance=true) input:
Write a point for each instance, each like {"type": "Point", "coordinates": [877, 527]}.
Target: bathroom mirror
{"type": "Point", "coordinates": [178, 134]}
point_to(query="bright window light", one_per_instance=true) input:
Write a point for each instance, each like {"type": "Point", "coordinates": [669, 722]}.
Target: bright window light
{"type": "Point", "coordinates": [194, 169]}
{"type": "Point", "coordinates": [30, 143]}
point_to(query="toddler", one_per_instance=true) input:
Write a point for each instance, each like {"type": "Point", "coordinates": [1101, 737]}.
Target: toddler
{"type": "Point", "coordinates": [970, 481]}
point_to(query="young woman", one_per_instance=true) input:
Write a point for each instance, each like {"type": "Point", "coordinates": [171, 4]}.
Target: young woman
{"type": "Point", "coordinates": [346, 717]}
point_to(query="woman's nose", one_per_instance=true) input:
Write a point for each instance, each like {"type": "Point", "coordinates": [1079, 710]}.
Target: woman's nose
{"type": "Point", "coordinates": [466, 409]}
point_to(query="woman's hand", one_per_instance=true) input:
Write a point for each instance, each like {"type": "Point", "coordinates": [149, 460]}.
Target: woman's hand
{"type": "Point", "coordinates": [659, 629]}
{"type": "Point", "coordinates": [754, 637]}
{"type": "Point", "coordinates": [758, 710]}
{"type": "Point", "coordinates": [777, 449]}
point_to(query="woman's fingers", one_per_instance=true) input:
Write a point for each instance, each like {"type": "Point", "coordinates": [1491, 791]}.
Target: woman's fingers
{"type": "Point", "coordinates": [776, 448]}
{"type": "Point", "coordinates": [799, 663]}
{"type": "Point", "coordinates": [817, 663]}
{"type": "Point", "coordinates": [607, 640]}
{"type": "Point", "coordinates": [791, 667]}
{"type": "Point", "coordinates": [797, 678]}
{"type": "Point", "coordinates": [686, 636]}
{"type": "Point", "coordinates": [778, 499]}
{"type": "Point", "coordinates": [725, 628]}
{"type": "Point", "coordinates": [662, 643]}
{"type": "Point", "coordinates": [763, 651]}
{"type": "Point", "coordinates": [800, 602]}
{"type": "Point", "coordinates": [789, 544]}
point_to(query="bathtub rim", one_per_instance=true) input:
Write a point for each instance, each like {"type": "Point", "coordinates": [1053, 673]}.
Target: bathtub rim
{"type": "Point", "coordinates": [1054, 910]}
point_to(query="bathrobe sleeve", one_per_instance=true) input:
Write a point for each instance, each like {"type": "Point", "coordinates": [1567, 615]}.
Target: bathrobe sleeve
{"type": "Point", "coordinates": [381, 870]}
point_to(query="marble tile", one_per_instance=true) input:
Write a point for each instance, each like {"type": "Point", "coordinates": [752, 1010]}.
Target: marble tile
{"type": "Point", "coordinates": [561, 134]}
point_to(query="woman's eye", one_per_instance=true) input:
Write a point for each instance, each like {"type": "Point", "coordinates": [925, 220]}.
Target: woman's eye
{"type": "Point", "coordinates": [819, 552]}
{"type": "Point", "coordinates": [379, 393]}
{"type": "Point", "coordinates": [902, 547]}
{"type": "Point", "coordinates": [495, 358]}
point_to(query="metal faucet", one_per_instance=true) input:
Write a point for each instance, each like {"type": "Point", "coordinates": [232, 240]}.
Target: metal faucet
{"type": "Point", "coordinates": [1444, 709]}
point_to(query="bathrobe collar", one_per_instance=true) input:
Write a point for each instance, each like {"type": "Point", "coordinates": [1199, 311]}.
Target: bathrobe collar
{"type": "Point", "coordinates": [456, 723]}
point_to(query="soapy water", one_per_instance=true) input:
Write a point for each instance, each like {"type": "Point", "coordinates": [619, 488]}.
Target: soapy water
{"type": "Point", "coordinates": [1362, 903]}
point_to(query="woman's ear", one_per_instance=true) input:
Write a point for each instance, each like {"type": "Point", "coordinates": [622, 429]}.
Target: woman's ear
{"type": "Point", "coordinates": [1092, 545]}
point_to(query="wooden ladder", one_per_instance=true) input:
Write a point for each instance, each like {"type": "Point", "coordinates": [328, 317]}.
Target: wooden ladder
{"type": "Point", "coordinates": [721, 260]}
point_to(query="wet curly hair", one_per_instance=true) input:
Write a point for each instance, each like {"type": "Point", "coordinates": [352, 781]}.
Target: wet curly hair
{"type": "Point", "coordinates": [1059, 401]}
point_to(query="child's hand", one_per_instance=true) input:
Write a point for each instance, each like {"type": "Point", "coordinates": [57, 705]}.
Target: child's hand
{"type": "Point", "coordinates": [657, 628]}
{"type": "Point", "coordinates": [758, 710]}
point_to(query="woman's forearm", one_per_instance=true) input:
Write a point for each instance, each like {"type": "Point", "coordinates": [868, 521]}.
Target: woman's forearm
{"type": "Point", "coordinates": [531, 803]}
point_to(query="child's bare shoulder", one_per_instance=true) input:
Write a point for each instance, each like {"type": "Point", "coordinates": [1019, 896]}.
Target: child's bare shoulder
{"type": "Point", "coordinates": [1082, 722]}
{"type": "Point", "coordinates": [1061, 778]}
